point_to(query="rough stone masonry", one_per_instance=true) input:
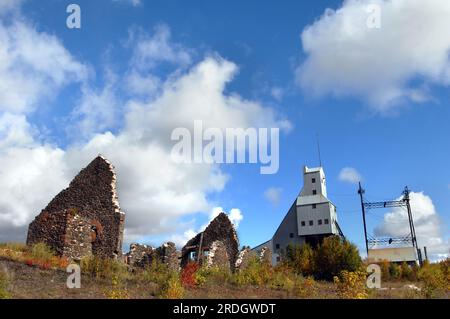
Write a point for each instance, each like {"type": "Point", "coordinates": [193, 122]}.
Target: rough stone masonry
{"type": "Point", "coordinates": [143, 255]}
{"type": "Point", "coordinates": [85, 218]}
{"type": "Point", "coordinates": [216, 245]}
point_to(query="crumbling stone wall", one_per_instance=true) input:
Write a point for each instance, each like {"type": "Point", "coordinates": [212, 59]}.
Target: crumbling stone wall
{"type": "Point", "coordinates": [265, 255]}
{"type": "Point", "coordinates": [143, 255]}
{"type": "Point", "coordinates": [244, 257]}
{"type": "Point", "coordinates": [218, 255]}
{"type": "Point", "coordinates": [78, 236]}
{"type": "Point", "coordinates": [140, 255]}
{"type": "Point", "coordinates": [220, 229]}
{"type": "Point", "coordinates": [169, 255]}
{"type": "Point", "coordinates": [92, 196]}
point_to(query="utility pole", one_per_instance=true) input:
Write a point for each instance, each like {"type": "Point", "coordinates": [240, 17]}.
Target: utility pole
{"type": "Point", "coordinates": [361, 192]}
{"type": "Point", "coordinates": [406, 198]}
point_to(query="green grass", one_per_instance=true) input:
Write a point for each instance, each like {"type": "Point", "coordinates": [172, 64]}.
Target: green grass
{"type": "Point", "coordinates": [4, 281]}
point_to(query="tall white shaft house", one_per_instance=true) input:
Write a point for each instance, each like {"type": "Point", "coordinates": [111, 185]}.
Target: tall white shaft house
{"type": "Point", "coordinates": [311, 218]}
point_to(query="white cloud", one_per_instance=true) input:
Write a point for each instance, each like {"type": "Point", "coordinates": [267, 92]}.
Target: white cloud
{"type": "Point", "coordinates": [428, 225]}
{"type": "Point", "coordinates": [350, 175]}
{"type": "Point", "coordinates": [346, 58]}
{"type": "Point", "coordinates": [273, 195]}
{"type": "Point", "coordinates": [15, 131]}
{"type": "Point", "coordinates": [143, 84]}
{"type": "Point", "coordinates": [33, 66]}
{"type": "Point", "coordinates": [6, 6]}
{"type": "Point", "coordinates": [199, 94]}
{"type": "Point", "coordinates": [181, 239]}
{"type": "Point", "coordinates": [154, 191]}
{"type": "Point", "coordinates": [151, 50]}
{"type": "Point", "coordinates": [235, 216]}
{"type": "Point", "coordinates": [277, 93]}
{"type": "Point", "coordinates": [29, 177]}
{"type": "Point", "coordinates": [97, 110]}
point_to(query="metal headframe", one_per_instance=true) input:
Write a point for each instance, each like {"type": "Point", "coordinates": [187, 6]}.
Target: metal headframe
{"type": "Point", "coordinates": [404, 202]}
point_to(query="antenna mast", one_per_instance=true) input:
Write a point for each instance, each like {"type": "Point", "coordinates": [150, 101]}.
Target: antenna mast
{"type": "Point", "coordinates": [318, 150]}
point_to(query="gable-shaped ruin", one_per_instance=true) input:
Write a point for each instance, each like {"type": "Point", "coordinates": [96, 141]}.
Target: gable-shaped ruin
{"type": "Point", "coordinates": [216, 245]}
{"type": "Point", "coordinates": [85, 218]}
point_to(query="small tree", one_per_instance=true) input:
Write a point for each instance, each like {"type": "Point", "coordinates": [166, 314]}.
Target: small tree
{"type": "Point", "coordinates": [407, 272]}
{"type": "Point", "coordinates": [385, 275]}
{"type": "Point", "coordinates": [301, 259]}
{"type": "Point", "coordinates": [334, 256]}
{"type": "Point", "coordinates": [394, 271]}
{"type": "Point", "coordinates": [434, 281]}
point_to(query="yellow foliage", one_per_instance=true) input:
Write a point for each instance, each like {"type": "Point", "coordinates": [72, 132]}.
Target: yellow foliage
{"type": "Point", "coordinates": [173, 289]}
{"type": "Point", "coordinates": [307, 288]}
{"type": "Point", "coordinates": [351, 285]}
{"type": "Point", "coordinates": [434, 279]}
{"type": "Point", "coordinates": [104, 268]}
{"type": "Point", "coordinates": [117, 291]}
{"type": "Point", "coordinates": [4, 280]}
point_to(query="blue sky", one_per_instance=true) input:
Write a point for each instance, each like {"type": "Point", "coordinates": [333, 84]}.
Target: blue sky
{"type": "Point", "coordinates": [385, 118]}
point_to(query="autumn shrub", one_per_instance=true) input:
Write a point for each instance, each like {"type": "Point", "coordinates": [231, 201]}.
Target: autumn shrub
{"type": "Point", "coordinates": [407, 272]}
{"type": "Point", "coordinates": [173, 289]}
{"type": "Point", "coordinates": [306, 288]}
{"type": "Point", "coordinates": [118, 290]}
{"type": "Point", "coordinates": [301, 259]}
{"type": "Point", "coordinates": [384, 267]}
{"type": "Point", "coordinates": [214, 275]}
{"type": "Point", "coordinates": [104, 268]}
{"type": "Point", "coordinates": [156, 272]}
{"type": "Point", "coordinates": [12, 246]}
{"type": "Point", "coordinates": [41, 252]}
{"type": "Point", "coordinates": [256, 273]}
{"type": "Point", "coordinates": [283, 278]}
{"type": "Point", "coordinates": [4, 281]}
{"type": "Point", "coordinates": [434, 280]}
{"type": "Point", "coordinates": [334, 256]}
{"type": "Point", "coordinates": [445, 268]}
{"type": "Point", "coordinates": [188, 274]}
{"type": "Point", "coordinates": [351, 285]}
{"type": "Point", "coordinates": [394, 271]}
{"type": "Point", "coordinates": [42, 256]}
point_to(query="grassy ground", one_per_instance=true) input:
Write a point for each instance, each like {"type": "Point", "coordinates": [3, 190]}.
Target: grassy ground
{"type": "Point", "coordinates": [36, 283]}
{"type": "Point", "coordinates": [33, 272]}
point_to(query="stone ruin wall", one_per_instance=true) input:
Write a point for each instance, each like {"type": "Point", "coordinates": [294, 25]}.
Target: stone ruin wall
{"type": "Point", "coordinates": [220, 229]}
{"type": "Point", "coordinates": [78, 237]}
{"type": "Point", "coordinates": [92, 197]}
{"type": "Point", "coordinates": [143, 255]}
{"type": "Point", "coordinates": [169, 255]}
{"type": "Point", "coordinates": [218, 255]}
{"type": "Point", "coordinates": [139, 255]}
{"type": "Point", "coordinates": [265, 255]}
{"type": "Point", "coordinates": [244, 257]}
{"type": "Point", "coordinates": [85, 219]}
{"type": "Point", "coordinates": [49, 227]}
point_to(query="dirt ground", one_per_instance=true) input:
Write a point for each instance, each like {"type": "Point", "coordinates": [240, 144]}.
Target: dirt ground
{"type": "Point", "coordinates": [35, 283]}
